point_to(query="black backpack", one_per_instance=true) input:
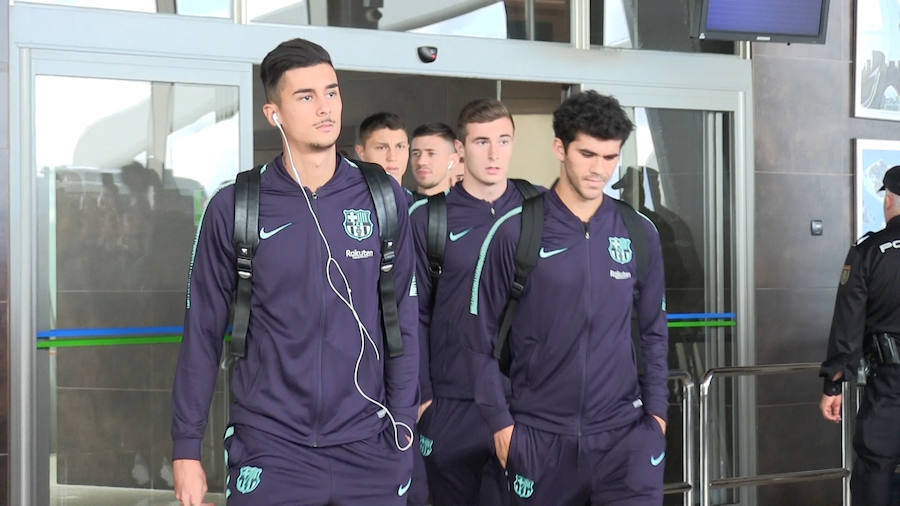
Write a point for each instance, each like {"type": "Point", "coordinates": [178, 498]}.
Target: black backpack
{"type": "Point", "coordinates": [436, 240]}
{"type": "Point", "coordinates": [246, 240]}
{"type": "Point", "coordinates": [527, 250]}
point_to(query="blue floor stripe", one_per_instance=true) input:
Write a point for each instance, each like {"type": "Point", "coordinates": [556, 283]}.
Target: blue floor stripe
{"type": "Point", "coordinates": [140, 331]}
{"type": "Point", "coordinates": [698, 316]}
{"type": "Point", "coordinates": [110, 331]}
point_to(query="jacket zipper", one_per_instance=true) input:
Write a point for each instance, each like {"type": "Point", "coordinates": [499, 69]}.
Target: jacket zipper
{"type": "Point", "coordinates": [583, 344]}
{"type": "Point", "coordinates": [322, 322]}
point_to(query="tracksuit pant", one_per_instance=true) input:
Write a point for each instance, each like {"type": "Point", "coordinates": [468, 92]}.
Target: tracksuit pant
{"type": "Point", "coordinates": [457, 446]}
{"type": "Point", "coordinates": [621, 467]}
{"type": "Point", "coordinates": [266, 470]}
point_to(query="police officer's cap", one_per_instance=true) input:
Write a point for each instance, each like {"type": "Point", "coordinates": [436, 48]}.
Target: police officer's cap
{"type": "Point", "coordinates": [892, 180]}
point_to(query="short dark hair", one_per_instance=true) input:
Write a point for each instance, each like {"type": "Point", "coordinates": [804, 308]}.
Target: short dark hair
{"type": "Point", "coordinates": [593, 114]}
{"type": "Point", "coordinates": [481, 110]}
{"type": "Point", "coordinates": [290, 54]}
{"type": "Point", "coordinates": [438, 129]}
{"type": "Point", "coordinates": [378, 121]}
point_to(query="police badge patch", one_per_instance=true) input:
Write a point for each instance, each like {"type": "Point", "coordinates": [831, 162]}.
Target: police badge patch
{"type": "Point", "coordinates": [248, 480]}
{"type": "Point", "coordinates": [523, 487]}
{"type": "Point", "coordinates": [358, 223]}
{"type": "Point", "coordinates": [845, 275]}
{"type": "Point", "coordinates": [620, 249]}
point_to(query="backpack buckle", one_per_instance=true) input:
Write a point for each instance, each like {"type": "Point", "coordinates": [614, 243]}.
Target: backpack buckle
{"type": "Point", "coordinates": [244, 265]}
{"type": "Point", "coordinates": [517, 289]}
{"type": "Point", "coordinates": [387, 256]}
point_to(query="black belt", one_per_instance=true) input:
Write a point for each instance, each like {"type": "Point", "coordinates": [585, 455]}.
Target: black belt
{"type": "Point", "coordinates": [883, 349]}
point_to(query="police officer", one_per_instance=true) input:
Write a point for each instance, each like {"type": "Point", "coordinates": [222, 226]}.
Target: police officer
{"type": "Point", "coordinates": [867, 323]}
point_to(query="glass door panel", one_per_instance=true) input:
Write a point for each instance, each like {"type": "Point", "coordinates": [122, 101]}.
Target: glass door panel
{"type": "Point", "coordinates": [123, 174]}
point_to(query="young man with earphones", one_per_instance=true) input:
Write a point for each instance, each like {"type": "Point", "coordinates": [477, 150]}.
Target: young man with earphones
{"type": "Point", "coordinates": [433, 156]}
{"type": "Point", "coordinates": [454, 439]}
{"type": "Point", "coordinates": [321, 412]}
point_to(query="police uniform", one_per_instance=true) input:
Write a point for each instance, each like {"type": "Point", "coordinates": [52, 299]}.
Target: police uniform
{"type": "Point", "coordinates": [867, 324]}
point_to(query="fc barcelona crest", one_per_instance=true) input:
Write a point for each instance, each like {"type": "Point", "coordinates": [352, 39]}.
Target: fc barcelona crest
{"type": "Point", "coordinates": [248, 479]}
{"type": "Point", "coordinates": [620, 249]}
{"type": "Point", "coordinates": [523, 487]}
{"type": "Point", "coordinates": [425, 445]}
{"type": "Point", "coordinates": [358, 223]}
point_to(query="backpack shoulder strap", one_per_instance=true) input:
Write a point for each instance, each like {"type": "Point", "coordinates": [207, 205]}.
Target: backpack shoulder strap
{"type": "Point", "coordinates": [380, 187]}
{"type": "Point", "coordinates": [527, 250]}
{"type": "Point", "coordinates": [436, 239]}
{"type": "Point", "coordinates": [246, 240]}
{"type": "Point", "coordinates": [527, 189]}
{"type": "Point", "coordinates": [637, 232]}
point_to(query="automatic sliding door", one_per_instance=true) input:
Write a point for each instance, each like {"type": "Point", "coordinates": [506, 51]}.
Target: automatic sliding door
{"type": "Point", "coordinates": [123, 169]}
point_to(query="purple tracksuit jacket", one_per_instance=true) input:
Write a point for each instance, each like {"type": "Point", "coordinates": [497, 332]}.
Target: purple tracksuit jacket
{"type": "Point", "coordinates": [443, 371]}
{"type": "Point", "coordinates": [573, 369]}
{"type": "Point", "coordinates": [296, 381]}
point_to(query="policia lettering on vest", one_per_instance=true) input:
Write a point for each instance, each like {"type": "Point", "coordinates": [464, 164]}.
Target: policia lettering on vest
{"type": "Point", "coordinates": [557, 283]}
{"type": "Point", "coordinates": [866, 325]}
{"type": "Point", "coordinates": [315, 252]}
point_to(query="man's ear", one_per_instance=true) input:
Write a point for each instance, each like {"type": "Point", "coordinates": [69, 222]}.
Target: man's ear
{"type": "Point", "coordinates": [559, 149]}
{"type": "Point", "coordinates": [359, 150]}
{"type": "Point", "coordinates": [268, 110]}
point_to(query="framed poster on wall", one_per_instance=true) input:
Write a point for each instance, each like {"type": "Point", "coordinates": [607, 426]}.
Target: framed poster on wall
{"type": "Point", "coordinates": [873, 159]}
{"type": "Point", "coordinates": [877, 66]}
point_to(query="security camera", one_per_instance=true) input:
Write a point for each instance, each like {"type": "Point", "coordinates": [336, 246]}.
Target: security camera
{"type": "Point", "coordinates": [427, 54]}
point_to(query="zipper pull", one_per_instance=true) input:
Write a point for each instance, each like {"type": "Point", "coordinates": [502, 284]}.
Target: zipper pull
{"type": "Point", "coordinates": [587, 232]}
{"type": "Point", "coordinates": [493, 211]}
{"type": "Point", "coordinates": [315, 196]}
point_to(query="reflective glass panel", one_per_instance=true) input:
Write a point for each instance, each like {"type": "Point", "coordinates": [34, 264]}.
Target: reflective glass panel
{"type": "Point", "coordinates": [207, 8]}
{"type": "Point", "coordinates": [542, 20]}
{"type": "Point", "coordinates": [123, 174]}
{"type": "Point", "coordinates": [664, 25]}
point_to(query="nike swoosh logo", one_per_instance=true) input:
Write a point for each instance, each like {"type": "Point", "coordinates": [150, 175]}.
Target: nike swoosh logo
{"type": "Point", "coordinates": [457, 236]}
{"type": "Point", "coordinates": [655, 461]}
{"type": "Point", "coordinates": [265, 235]}
{"type": "Point", "coordinates": [403, 488]}
{"type": "Point", "coordinates": [548, 254]}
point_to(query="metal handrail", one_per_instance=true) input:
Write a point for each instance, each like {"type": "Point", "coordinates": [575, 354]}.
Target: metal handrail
{"type": "Point", "coordinates": [686, 487]}
{"type": "Point", "coordinates": [707, 484]}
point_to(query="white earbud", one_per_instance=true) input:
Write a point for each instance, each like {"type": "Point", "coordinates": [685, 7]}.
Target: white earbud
{"type": "Point", "coordinates": [450, 165]}
{"type": "Point", "coordinates": [276, 119]}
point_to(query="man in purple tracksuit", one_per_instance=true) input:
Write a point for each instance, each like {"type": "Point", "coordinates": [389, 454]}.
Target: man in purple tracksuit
{"type": "Point", "coordinates": [581, 424]}
{"type": "Point", "coordinates": [454, 439]}
{"type": "Point", "coordinates": [382, 139]}
{"type": "Point", "coordinates": [306, 423]}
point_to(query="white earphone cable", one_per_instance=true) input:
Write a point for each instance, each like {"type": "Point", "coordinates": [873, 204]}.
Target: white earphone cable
{"type": "Point", "coordinates": [348, 301]}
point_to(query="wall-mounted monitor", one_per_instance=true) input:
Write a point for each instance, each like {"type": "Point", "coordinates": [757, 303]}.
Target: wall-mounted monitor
{"type": "Point", "coordinates": [764, 20]}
